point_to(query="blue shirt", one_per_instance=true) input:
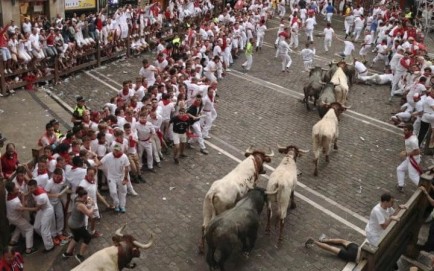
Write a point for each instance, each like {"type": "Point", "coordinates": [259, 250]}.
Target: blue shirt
{"type": "Point", "coordinates": [330, 9]}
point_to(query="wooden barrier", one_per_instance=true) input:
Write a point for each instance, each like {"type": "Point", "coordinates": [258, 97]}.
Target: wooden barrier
{"type": "Point", "coordinates": [400, 238]}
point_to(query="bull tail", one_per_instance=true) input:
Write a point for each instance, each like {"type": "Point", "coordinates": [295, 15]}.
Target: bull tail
{"type": "Point", "coordinates": [208, 209]}
{"type": "Point", "coordinates": [212, 263]}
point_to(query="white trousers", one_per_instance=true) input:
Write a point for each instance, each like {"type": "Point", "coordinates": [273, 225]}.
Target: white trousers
{"type": "Point", "coordinates": [294, 41]}
{"type": "Point", "coordinates": [198, 132]}
{"type": "Point", "coordinates": [329, 17]}
{"type": "Point", "coordinates": [248, 63]}
{"type": "Point", "coordinates": [206, 123]}
{"type": "Point", "coordinates": [44, 223]}
{"type": "Point", "coordinates": [259, 40]}
{"type": "Point", "coordinates": [327, 44]}
{"type": "Point", "coordinates": [59, 219]}
{"type": "Point", "coordinates": [308, 65]}
{"type": "Point", "coordinates": [145, 146]}
{"type": "Point", "coordinates": [286, 61]}
{"type": "Point", "coordinates": [118, 192]}
{"type": "Point", "coordinates": [22, 226]}
{"type": "Point", "coordinates": [404, 167]}
{"type": "Point", "coordinates": [309, 34]}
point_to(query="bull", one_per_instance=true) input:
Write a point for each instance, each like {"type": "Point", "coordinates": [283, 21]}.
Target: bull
{"type": "Point", "coordinates": [314, 86]}
{"type": "Point", "coordinates": [349, 70]}
{"type": "Point", "coordinates": [326, 97]}
{"type": "Point", "coordinates": [116, 257]}
{"type": "Point", "coordinates": [340, 81]}
{"type": "Point", "coordinates": [325, 132]}
{"type": "Point", "coordinates": [224, 193]}
{"type": "Point", "coordinates": [233, 227]}
{"type": "Point", "coordinates": [281, 185]}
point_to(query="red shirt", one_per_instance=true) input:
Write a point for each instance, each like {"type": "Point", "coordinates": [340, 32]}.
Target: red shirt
{"type": "Point", "coordinates": [16, 265]}
{"type": "Point", "coordinates": [9, 164]}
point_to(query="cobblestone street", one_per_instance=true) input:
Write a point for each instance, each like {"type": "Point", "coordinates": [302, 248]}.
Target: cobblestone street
{"type": "Point", "coordinates": [262, 108]}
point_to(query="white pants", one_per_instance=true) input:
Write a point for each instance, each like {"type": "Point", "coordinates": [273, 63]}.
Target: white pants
{"type": "Point", "coordinates": [329, 17]}
{"type": "Point", "coordinates": [404, 167]}
{"type": "Point", "coordinates": [59, 219]}
{"type": "Point", "coordinates": [259, 40]}
{"type": "Point", "coordinates": [118, 192]}
{"type": "Point", "coordinates": [365, 50]}
{"type": "Point", "coordinates": [396, 77]}
{"type": "Point", "coordinates": [210, 76]}
{"type": "Point", "coordinates": [146, 146]}
{"type": "Point", "coordinates": [294, 40]}
{"type": "Point", "coordinates": [198, 132]}
{"type": "Point", "coordinates": [248, 63]}
{"type": "Point", "coordinates": [308, 65]}
{"type": "Point", "coordinates": [206, 123]}
{"type": "Point", "coordinates": [309, 34]}
{"type": "Point", "coordinates": [416, 126]}
{"type": "Point", "coordinates": [286, 61]}
{"type": "Point", "coordinates": [381, 57]}
{"type": "Point", "coordinates": [44, 223]}
{"type": "Point", "coordinates": [327, 44]}
{"type": "Point", "coordinates": [22, 226]}
{"type": "Point", "coordinates": [347, 27]}
{"type": "Point", "coordinates": [357, 32]}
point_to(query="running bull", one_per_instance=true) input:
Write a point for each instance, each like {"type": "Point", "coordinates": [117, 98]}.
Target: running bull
{"type": "Point", "coordinates": [116, 257]}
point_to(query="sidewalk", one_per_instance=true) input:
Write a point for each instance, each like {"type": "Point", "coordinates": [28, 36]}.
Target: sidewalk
{"type": "Point", "coordinates": [22, 121]}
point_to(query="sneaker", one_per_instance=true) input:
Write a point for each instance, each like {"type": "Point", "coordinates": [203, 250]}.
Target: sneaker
{"type": "Point", "coordinates": [117, 209]}
{"type": "Point", "coordinates": [322, 238]}
{"type": "Point", "coordinates": [152, 170]}
{"type": "Point", "coordinates": [10, 71]}
{"type": "Point", "coordinates": [133, 193]}
{"type": "Point", "coordinates": [206, 137]}
{"type": "Point", "coordinates": [6, 71]}
{"type": "Point", "coordinates": [400, 189]}
{"type": "Point", "coordinates": [158, 165]}
{"type": "Point", "coordinates": [80, 258]}
{"type": "Point", "coordinates": [31, 251]}
{"type": "Point", "coordinates": [122, 210]}
{"type": "Point", "coordinates": [64, 242]}
{"type": "Point", "coordinates": [204, 151]}
{"type": "Point", "coordinates": [228, 70]}
{"type": "Point", "coordinates": [66, 255]}
{"type": "Point", "coordinates": [309, 243]}
{"type": "Point", "coordinates": [48, 250]}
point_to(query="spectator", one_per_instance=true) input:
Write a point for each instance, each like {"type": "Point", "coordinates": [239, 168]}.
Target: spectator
{"type": "Point", "coordinates": [9, 161]}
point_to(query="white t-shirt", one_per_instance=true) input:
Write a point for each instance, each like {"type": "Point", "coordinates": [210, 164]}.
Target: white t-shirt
{"type": "Point", "coordinates": [42, 199]}
{"type": "Point", "coordinates": [148, 74]}
{"type": "Point", "coordinates": [349, 47]}
{"type": "Point", "coordinates": [11, 209]}
{"type": "Point", "coordinates": [307, 54]}
{"type": "Point", "coordinates": [428, 109]}
{"type": "Point", "coordinates": [54, 188]}
{"type": "Point", "coordinates": [74, 176]}
{"type": "Point", "coordinates": [115, 167]}
{"type": "Point", "coordinates": [328, 33]}
{"type": "Point", "coordinates": [91, 191]}
{"type": "Point", "coordinates": [373, 229]}
{"type": "Point", "coordinates": [310, 23]}
{"type": "Point", "coordinates": [360, 67]}
{"type": "Point", "coordinates": [412, 144]}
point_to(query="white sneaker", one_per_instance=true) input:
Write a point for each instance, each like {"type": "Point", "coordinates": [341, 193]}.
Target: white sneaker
{"type": "Point", "coordinates": [133, 193]}
{"type": "Point", "coordinates": [6, 71]}
{"type": "Point", "coordinates": [10, 71]}
{"type": "Point", "coordinates": [206, 137]}
{"type": "Point", "coordinates": [228, 70]}
{"type": "Point", "coordinates": [322, 238]}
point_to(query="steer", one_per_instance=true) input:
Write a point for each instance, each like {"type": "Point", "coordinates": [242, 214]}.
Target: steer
{"type": "Point", "coordinates": [340, 81]}
{"type": "Point", "coordinates": [116, 257]}
{"type": "Point", "coordinates": [325, 132]}
{"type": "Point", "coordinates": [314, 86]}
{"type": "Point", "coordinates": [281, 185]}
{"type": "Point", "coordinates": [326, 97]}
{"type": "Point", "coordinates": [236, 226]}
{"type": "Point", "coordinates": [224, 193]}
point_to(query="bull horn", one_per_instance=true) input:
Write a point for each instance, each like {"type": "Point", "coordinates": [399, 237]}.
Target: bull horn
{"type": "Point", "coordinates": [272, 192]}
{"type": "Point", "coordinates": [280, 147]}
{"type": "Point", "coordinates": [270, 153]}
{"type": "Point", "coordinates": [322, 83]}
{"type": "Point", "coordinates": [118, 232]}
{"type": "Point", "coordinates": [144, 246]}
{"type": "Point", "coordinates": [250, 150]}
{"type": "Point", "coordinates": [346, 107]}
{"type": "Point", "coordinates": [303, 151]}
{"type": "Point", "coordinates": [326, 70]}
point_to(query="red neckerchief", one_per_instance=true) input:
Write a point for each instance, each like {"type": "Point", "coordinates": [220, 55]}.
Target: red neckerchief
{"type": "Point", "coordinates": [91, 181]}
{"type": "Point", "coordinates": [184, 117]}
{"type": "Point", "coordinates": [12, 196]}
{"type": "Point", "coordinates": [119, 140]}
{"type": "Point", "coordinates": [166, 101]}
{"type": "Point", "coordinates": [118, 155]}
{"type": "Point", "coordinates": [143, 123]}
{"type": "Point", "coordinates": [86, 121]}
{"type": "Point", "coordinates": [74, 167]}
{"type": "Point", "coordinates": [38, 191]}
{"type": "Point", "coordinates": [50, 157]}
{"type": "Point", "coordinates": [407, 136]}
{"type": "Point", "coordinates": [58, 181]}
{"type": "Point", "coordinates": [131, 141]}
{"type": "Point", "coordinates": [211, 97]}
{"type": "Point", "coordinates": [133, 104]}
{"type": "Point", "coordinates": [42, 172]}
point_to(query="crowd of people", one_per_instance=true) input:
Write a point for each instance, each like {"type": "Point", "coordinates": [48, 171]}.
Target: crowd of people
{"type": "Point", "coordinates": [170, 106]}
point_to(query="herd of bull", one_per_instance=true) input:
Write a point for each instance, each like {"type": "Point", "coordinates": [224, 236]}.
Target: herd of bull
{"type": "Point", "coordinates": [233, 204]}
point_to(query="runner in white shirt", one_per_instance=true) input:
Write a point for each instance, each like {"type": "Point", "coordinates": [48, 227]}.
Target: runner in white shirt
{"type": "Point", "coordinates": [366, 45]}
{"type": "Point", "coordinates": [54, 187]}
{"type": "Point", "coordinates": [309, 27]}
{"type": "Point", "coordinates": [307, 55]}
{"type": "Point", "coordinates": [328, 37]}
{"type": "Point", "coordinates": [148, 72]}
{"type": "Point", "coordinates": [260, 34]}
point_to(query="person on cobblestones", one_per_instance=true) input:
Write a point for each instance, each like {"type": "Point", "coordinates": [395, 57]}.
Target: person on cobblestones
{"type": "Point", "coordinates": [412, 159]}
{"type": "Point", "coordinates": [82, 207]}
{"type": "Point", "coordinates": [145, 130]}
{"type": "Point", "coordinates": [195, 110]}
{"type": "Point", "coordinates": [343, 249]}
{"type": "Point", "coordinates": [44, 220]}
{"type": "Point", "coordinates": [328, 36]}
{"type": "Point", "coordinates": [308, 55]}
{"type": "Point", "coordinates": [49, 137]}
{"type": "Point", "coordinates": [77, 115]}
{"type": "Point", "coordinates": [117, 166]}
{"type": "Point", "coordinates": [247, 65]}
{"type": "Point", "coordinates": [180, 124]}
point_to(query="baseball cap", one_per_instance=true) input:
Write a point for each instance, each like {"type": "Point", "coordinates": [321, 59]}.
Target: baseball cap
{"type": "Point", "coordinates": [80, 99]}
{"type": "Point", "coordinates": [117, 147]}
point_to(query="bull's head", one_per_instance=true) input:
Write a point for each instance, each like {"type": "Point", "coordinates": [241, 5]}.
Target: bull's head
{"type": "Point", "coordinates": [260, 157]}
{"type": "Point", "coordinates": [128, 247]}
{"type": "Point", "coordinates": [292, 150]}
{"type": "Point", "coordinates": [338, 108]}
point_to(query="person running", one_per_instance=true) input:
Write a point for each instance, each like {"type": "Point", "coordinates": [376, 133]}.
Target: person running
{"type": "Point", "coordinates": [249, 56]}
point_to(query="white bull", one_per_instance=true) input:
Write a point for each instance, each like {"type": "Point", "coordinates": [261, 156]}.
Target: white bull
{"type": "Point", "coordinates": [116, 257]}
{"type": "Point", "coordinates": [224, 193]}
{"type": "Point", "coordinates": [340, 80]}
{"type": "Point", "coordinates": [281, 186]}
{"type": "Point", "coordinates": [325, 132]}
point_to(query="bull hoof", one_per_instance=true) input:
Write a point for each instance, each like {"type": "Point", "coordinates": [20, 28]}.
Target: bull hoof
{"type": "Point", "coordinates": [315, 173]}
{"type": "Point", "coordinates": [293, 206]}
{"type": "Point", "coordinates": [335, 147]}
{"type": "Point", "coordinates": [200, 250]}
{"type": "Point", "coordinates": [327, 159]}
